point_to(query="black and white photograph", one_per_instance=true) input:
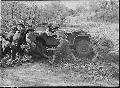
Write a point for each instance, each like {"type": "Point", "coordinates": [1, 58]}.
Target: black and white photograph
{"type": "Point", "coordinates": [59, 43]}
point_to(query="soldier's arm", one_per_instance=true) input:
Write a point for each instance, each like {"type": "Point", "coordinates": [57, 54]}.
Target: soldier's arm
{"type": "Point", "coordinates": [7, 39]}
{"type": "Point", "coordinates": [61, 46]}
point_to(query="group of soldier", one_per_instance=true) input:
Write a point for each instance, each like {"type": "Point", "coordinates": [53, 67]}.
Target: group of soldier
{"type": "Point", "coordinates": [14, 41]}
{"type": "Point", "coordinates": [11, 41]}
{"type": "Point", "coordinates": [21, 40]}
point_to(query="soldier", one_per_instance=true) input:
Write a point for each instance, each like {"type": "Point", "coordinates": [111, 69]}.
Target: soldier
{"type": "Point", "coordinates": [18, 40]}
{"type": "Point", "coordinates": [63, 48]}
{"type": "Point", "coordinates": [30, 37]}
{"type": "Point", "coordinates": [40, 45]}
{"type": "Point", "coordinates": [0, 44]}
{"type": "Point", "coordinates": [11, 34]}
{"type": "Point", "coordinates": [15, 46]}
{"type": "Point", "coordinates": [5, 44]}
{"type": "Point", "coordinates": [52, 29]}
{"type": "Point", "coordinates": [50, 26]}
{"type": "Point", "coordinates": [23, 33]}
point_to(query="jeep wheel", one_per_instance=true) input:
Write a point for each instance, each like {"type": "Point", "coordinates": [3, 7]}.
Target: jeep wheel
{"type": "Point", "coordinates": [83, 47]}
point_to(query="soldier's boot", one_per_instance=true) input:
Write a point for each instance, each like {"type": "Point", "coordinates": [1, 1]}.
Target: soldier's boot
{"type": "Point", "coordinates": [73, 56]}
{"type": "Point", "coordinates": [53, 59]}
{"type": "Point", "coordinates": [95, 58]}
{"type": "Point", "coordinates": [30, 59]}
{"type": "Point", "coordinates": [20, 60]}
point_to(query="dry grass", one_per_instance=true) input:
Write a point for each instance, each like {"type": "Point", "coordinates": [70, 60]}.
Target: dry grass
{"type": "Point", "coordinates": [44, 75]}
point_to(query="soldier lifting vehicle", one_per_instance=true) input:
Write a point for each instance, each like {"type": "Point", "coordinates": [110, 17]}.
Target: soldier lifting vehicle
{"type": "Point", "coordinates": [51, 44]}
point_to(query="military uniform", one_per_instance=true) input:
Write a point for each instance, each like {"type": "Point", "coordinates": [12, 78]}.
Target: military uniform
{"type": "Point", "coordinates": [3, 42]}
{"type": "Point", "coordinates": [0, 46]}
{"type": "Point", "coordinates": [11, 34]}
{"type": "Point", "coordinates": [5, 46]}
{"type": "Point", "coordinates": [15, 45]}
{"type": "Point", "coordinates": [37, 50]}
{"type": "Point", "coordinates": [17, 42]}
{"type": "Point", "coordinates": [16, 36]}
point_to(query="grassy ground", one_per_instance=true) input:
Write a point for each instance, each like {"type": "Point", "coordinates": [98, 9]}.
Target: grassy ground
{"type": "Point", "coordinates": [43, 75]}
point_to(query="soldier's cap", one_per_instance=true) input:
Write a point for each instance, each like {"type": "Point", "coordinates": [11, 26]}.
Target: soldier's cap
{"type": "Point", "coordinates": [50, 24]}
{"type": "Point", "coordinates": [44, 23]}
{"type": "Point", "coordinates": [32, 30]}
{"type": "Point", "coordinates": [14, 28]}
{"type": "Point", "coordinates": [22, 25]}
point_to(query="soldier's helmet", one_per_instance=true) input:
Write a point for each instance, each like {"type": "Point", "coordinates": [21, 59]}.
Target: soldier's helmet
{"type": "Point", "coordinates": [44, 24]}
{"type": "Point", "coordinates": [31, 28]}
{"type": "Point", "coordinates": [21, 27]}
{"type": "Point", "coordinates": [14, 28]}
{"type": "Point", "coordinates": [61, 34]}
{"type": "Point", "coordinates": [50, 24]}
{"type": "Point", "coordinates": [52, 27]}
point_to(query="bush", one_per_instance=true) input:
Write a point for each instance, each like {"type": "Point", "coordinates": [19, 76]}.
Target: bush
{"type": "Point", "coordinates": [105, 11]}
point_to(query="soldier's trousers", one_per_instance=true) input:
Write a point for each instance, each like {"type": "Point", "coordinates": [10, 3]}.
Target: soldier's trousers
{"type": "Point", "coordinates": [7, 50]}
{"type": "Point", "coordinates": [17, 49]}
{"type": "Point", "coordinates": [0, 50]}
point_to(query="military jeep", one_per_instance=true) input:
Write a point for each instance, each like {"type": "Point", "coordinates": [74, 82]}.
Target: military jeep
{"type": "Point", "coordinates": [79, 42]}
